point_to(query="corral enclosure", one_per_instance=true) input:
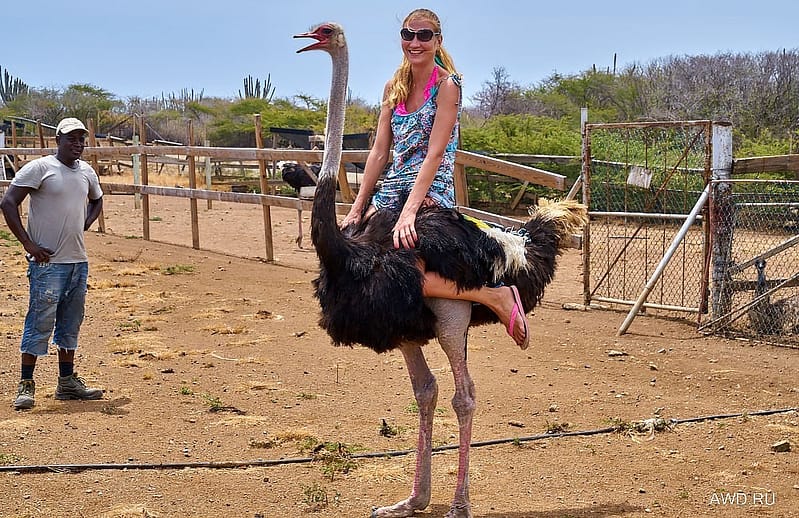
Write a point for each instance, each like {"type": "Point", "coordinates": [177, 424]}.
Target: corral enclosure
{"type": "Point", "coordinates": [644, 180]}
{"type": "Point", "coordinates": [220, 386]}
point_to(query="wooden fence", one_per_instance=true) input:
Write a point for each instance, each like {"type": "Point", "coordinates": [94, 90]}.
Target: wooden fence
{"type": "Point", "coordinates": [144, 153]}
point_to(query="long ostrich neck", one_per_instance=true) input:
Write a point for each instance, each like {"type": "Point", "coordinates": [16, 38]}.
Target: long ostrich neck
{"type": "Point", "coordinates": [336, 108]}
{"type": "Point", "coordinates": [331, 247]}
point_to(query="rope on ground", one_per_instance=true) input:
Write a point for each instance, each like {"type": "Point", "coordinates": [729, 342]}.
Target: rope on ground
{"type": "Point", "coordinates": [73, 468]}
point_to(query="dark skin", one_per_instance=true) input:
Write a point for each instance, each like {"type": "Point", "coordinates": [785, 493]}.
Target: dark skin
{"type": "Point", "coordinates": [70, 148]}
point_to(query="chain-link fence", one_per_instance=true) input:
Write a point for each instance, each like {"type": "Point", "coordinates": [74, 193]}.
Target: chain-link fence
{"type": "Point", "coordinates": [758, 293]}
{"type": "Point", "coordinates": [643, 181]}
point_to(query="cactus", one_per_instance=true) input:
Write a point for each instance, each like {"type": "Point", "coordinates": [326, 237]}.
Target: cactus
{"type": "Point", "coordinates": [11, 87]}
{"type": "Point", "coordinates": [253, 90]}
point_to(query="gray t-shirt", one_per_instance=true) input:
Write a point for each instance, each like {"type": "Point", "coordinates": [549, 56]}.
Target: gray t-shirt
{"type": "Point", "coordinates": [57, 210]}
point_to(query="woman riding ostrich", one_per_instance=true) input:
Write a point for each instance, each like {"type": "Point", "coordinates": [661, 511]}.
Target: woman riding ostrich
{"type": "Point", "coordinates": [390, 281]}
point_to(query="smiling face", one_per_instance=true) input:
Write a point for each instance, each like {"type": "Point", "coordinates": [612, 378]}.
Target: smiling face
{"type": "Point", "coordinates": [416, 50]}
{"type": "Point", "coordinates": [70, 146]}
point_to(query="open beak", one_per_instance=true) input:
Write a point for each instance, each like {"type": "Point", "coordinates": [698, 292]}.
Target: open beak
{"type": "Point", "coordinates": [312, 46]}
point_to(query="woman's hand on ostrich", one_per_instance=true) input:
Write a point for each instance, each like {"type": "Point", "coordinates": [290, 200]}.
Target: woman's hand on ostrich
{"type": "Point", "coordinates": [353, 217]}
{"type": "Point", "coordinates": [405, 231]}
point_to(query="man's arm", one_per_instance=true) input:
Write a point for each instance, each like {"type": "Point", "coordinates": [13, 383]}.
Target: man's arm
{"type": "Point", "coordinates": [93, 212]}
{"type": "Point", "coordinates": [10, 203]}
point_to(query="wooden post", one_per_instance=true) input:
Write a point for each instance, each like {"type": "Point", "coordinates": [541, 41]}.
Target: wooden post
{"type": "Point", "coordinates": [195, 224]}
{"type": "Point", "coordinates": [208, 183]}
{"type": "Point", "coordinates": [14, 159]}
{"type": "Point", "coordinates": [519, 195]}
{"type": "Point", "coordinates": [135, 160]}
{"type": "Point", "coordinates": [41, 135]}
{"type": "Point", "coordinates": [93, 143]}
{"type": "Point", "coordinates": [347, 195]}
{"type": "Point", "coordinates": [585, 176]}
{"type": "Point", "coordinates": [145, 199]}
{"type": "Point", "coordinates": [459, 178]}
{"type": "Point", "coordinates": [707, 247]}
{"type": "Point", "coordinates": [722, 217]}
{"type": "Point", "coordinates": [267, 210]}
{"type": "Point", "coordinates": [579, 181]}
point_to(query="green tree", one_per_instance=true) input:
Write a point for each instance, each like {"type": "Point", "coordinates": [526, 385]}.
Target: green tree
{"type": "Point", "coordinates": [528, 134]}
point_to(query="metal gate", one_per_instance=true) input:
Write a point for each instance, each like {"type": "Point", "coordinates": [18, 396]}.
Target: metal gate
{"type": "Point", "coordinates": [641, 180]}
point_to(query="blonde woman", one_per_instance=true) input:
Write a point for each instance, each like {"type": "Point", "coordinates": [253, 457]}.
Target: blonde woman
{"type": "Point", "coordinates": [419, 116]}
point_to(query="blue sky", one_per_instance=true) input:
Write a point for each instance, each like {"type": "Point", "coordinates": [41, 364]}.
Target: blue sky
{"type": "Point", "coordinates": [146, 48]}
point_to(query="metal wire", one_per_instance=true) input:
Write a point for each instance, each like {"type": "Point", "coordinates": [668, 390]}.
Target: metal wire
{"type": "Point", "coordinates": [761, 283]}
{"type": "Point", "coordinates": [72, 468]}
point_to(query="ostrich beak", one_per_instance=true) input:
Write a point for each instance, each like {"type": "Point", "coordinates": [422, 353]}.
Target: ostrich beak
{"type": "Point", "coordinates": [319, 43]}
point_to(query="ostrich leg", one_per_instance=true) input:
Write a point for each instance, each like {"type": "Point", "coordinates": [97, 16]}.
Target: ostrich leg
{"type": "Point", "coordinates": [425, 390]}
{"type": "Point", "coordinates": [453, 325]}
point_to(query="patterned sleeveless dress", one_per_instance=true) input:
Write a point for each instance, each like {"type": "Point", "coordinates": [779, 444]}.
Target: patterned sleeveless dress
{"type": "Point", "coordinates": [411, 142]}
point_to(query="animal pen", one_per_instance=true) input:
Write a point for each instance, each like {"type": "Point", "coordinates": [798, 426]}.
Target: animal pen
{"type": "Point", "coordinates": [677, 227]}
{"type": "Point", "coordinates": [655, 190]}
{"type": "Point", "coordinates": [144, 154]}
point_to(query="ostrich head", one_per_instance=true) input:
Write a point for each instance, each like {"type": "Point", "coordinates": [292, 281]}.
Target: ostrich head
{"type": "Point", "coordinates": [760, 265]}
{"type": "Point", "coordinates": [329, 37]}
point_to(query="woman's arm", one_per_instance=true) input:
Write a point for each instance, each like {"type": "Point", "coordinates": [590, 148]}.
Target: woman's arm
{"type": "Point", "coordinates": [375, 164]}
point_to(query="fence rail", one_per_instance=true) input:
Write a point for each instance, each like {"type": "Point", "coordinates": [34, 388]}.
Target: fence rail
{"type": "Point", "coordinates": [152, 153]}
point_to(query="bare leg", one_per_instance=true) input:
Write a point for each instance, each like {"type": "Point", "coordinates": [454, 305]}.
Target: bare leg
{"type": "Point", "coordinates": [499, 300]}
{"type": "Point", "coordinates": [425, 390]}
{"type": "Point", "coordinates": [453, 326]}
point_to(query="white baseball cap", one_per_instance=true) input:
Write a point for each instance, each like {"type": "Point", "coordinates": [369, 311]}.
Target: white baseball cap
{"type": "Point", "coordinates": [69, 124]}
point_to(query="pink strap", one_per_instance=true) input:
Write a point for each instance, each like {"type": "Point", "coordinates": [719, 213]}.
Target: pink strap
{"type": "Point", "coordinates": [401, 110]}
{"type": "Point", "coordinates": [513, 315]}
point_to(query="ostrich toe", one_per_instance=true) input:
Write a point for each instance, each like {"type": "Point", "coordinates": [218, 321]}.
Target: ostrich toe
{"type": "Point", "coordinates": [399, 510]}
{"type": "Point", "coordinates": [460, 511]}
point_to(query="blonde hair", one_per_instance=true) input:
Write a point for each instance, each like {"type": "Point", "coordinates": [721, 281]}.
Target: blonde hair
{"type": "Point", "coordinates": [400, 85]}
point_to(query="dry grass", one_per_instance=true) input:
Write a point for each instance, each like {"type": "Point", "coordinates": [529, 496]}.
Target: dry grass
{"type": "Point", "coordinates": [130, 511]}
{"type": "Point", "coordinates": [134, 344]}
{"type": "Point", "coordinates": [243, 420]}
{"type": "Point", "coordinates": [210, 313]}
{"type": "Point", "coordinates": [224, 329]}
{"type": "Point", "coordinates": [300, 437]}
{"type": "Point", "coordinates": [105, 284]}
{"type": "Point", "coordinates": [132, 271]}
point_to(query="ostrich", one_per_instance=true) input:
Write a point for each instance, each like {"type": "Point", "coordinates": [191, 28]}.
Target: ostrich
{"type": "Point", "coordinates": [361, 274]}
{"type": "Point", "coordinates": [762, 313]}
{"type": "Point", "coordinates": [771, 318]}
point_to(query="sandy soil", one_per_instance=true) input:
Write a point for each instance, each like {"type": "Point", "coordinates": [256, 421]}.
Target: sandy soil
{"type": "Point", "coordinates": [214, 356]}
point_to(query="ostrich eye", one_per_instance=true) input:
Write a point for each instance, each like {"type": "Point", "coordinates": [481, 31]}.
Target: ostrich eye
{"type": "Point", "coordinates": [327, 31]}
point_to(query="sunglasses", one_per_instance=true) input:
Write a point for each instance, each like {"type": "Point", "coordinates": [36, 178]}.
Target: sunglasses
{"type": "Point", "coordinates": [424, 35]}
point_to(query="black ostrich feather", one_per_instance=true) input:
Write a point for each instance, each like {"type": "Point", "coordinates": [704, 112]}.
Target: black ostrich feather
{"type": "Point", "coordinates": [371, 293]}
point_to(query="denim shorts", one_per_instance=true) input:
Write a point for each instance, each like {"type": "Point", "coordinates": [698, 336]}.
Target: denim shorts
{"type": "Point", "coordinates": [57, 299]}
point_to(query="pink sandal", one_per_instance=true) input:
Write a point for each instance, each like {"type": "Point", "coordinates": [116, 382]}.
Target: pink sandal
{"type": "Point", "coordinates": [518, 309]}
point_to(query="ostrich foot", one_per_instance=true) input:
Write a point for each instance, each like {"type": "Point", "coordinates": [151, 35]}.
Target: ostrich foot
{"type": "Point", "coordinates": [399, 510]}
{"type": "Point", "coordinates": [460, 511]}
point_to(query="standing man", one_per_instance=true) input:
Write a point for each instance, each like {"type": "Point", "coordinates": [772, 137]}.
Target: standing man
{"type": "Point", "coordinates": [58, 266]}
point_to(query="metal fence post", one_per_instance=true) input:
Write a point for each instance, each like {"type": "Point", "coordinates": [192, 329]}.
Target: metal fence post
{"type": "Point", "coordinates": [722, 216]}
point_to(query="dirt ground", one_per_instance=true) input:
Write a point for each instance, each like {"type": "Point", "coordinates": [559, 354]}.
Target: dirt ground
{"type": "Point", "coordinates": [216, 357]}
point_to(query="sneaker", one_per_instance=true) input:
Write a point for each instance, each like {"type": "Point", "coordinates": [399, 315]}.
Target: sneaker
{"type": "Point", "coordinates": [25, 392]}
{"type": "Point", "coordinates": [72, 387]}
